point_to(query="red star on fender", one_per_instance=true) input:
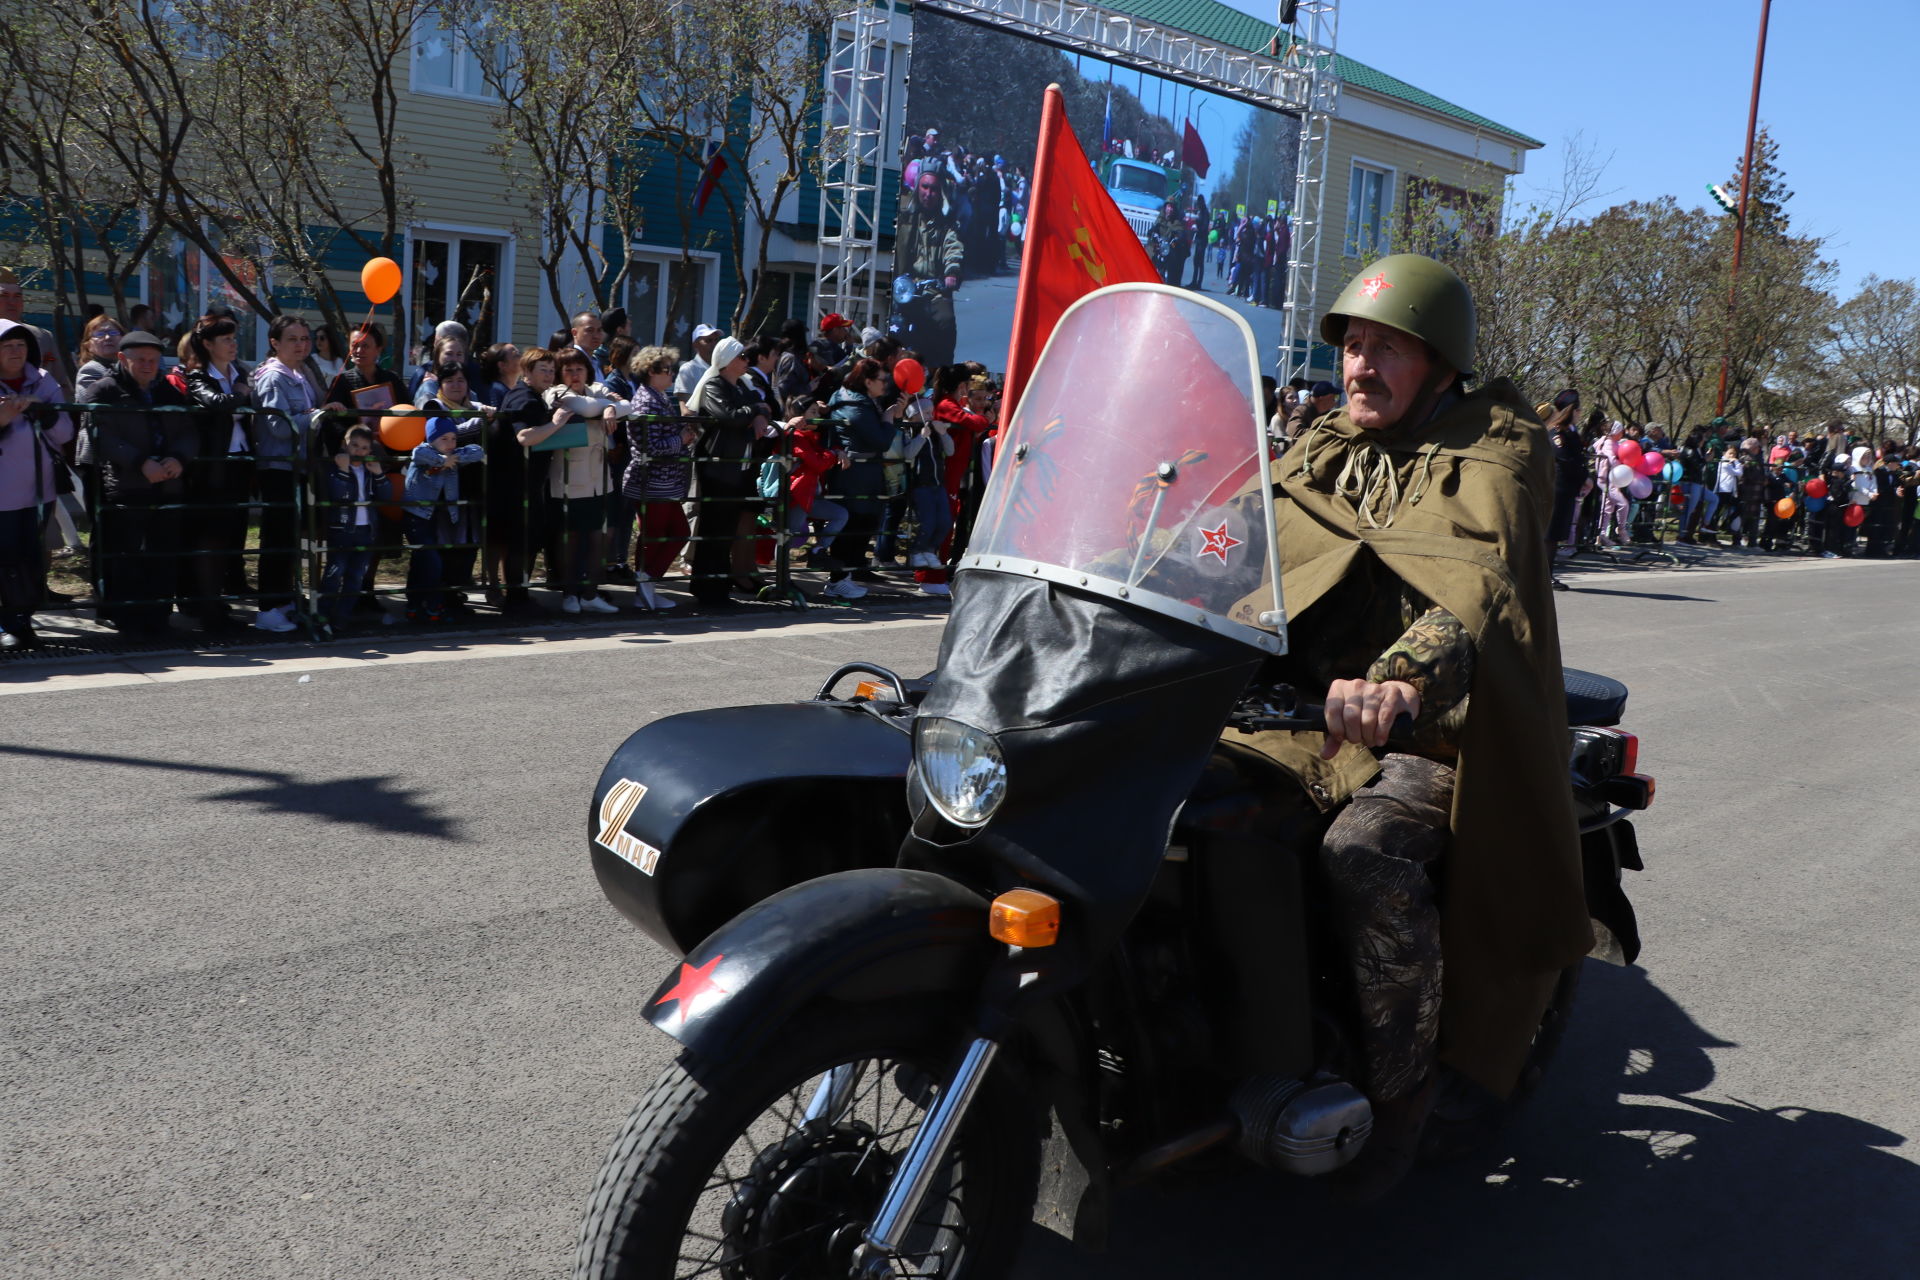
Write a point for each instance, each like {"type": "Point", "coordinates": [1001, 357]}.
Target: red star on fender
{"type": "Point", "coordinates": [1373, 287]}
{"type": "Point", "coordinates": [1217, 542]}
{"type": "Point", "coordinates": [693, 984]}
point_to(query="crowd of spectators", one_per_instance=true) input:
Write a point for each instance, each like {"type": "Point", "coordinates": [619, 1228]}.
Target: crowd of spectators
{"type": "Point", "coordinates": [568, 467]}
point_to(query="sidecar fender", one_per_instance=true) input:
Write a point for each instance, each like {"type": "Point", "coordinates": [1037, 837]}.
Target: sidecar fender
{"type": "Point", "coordinates": [850, 938]}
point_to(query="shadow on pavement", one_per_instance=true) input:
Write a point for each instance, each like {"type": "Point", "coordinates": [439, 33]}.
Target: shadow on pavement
{"type": "Point", "coordinates": [1613, 1170]}
{"type": "Point", "coordinates": [372, 801]}
{"type": "Point", "coordinates": [1639, 595]}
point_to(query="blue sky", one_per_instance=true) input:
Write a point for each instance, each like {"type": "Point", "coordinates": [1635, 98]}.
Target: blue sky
{"type": "Point", "coordinates": [1662, 88]}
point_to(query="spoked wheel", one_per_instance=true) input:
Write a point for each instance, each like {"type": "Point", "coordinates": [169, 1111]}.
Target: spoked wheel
{"type": "Point", "coordinates": [771, 1167]}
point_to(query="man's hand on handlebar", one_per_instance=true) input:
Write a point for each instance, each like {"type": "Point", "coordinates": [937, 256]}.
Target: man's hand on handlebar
{"type": "Point", "coordinates": [1363, 712]}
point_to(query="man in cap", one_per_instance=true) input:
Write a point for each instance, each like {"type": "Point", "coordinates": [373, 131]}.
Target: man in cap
{"type": "Point", "coordinates": [1412, 528]}
{"type": "Point", "coordinates": [927, 247]}
{"type": "Point", "coordinates": [835, 343]}
{"type": "Point", "coordinates": [692, 370]}
{"type": "Point", "coordinates": [142, 456]}
{"type": "Point", "coordinates": [1316, 402]}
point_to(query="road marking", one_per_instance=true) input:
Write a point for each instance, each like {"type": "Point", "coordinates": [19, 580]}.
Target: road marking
{"type": "Point", "coordinates": [1578, 576]}
{"type": "Point", "coordinates": [176, 668]}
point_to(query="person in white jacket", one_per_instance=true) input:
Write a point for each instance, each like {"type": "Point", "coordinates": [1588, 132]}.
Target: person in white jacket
{"type": "Point", "coordinates": [577, 478]}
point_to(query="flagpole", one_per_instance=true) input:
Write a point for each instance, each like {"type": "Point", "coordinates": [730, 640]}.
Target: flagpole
{"type": "Point", "coordinates": [1052, 107]}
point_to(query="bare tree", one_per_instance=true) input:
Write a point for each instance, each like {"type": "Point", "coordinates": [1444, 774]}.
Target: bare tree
{"type": "Point", "coordinates": [1876, 347]}
{"type": "Point", "coordinates": [742, 91]}
{"type": "Point", "coordinates": [570, 76]}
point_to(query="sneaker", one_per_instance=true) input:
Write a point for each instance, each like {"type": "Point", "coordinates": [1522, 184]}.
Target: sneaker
{"type": "Point", "coordinates": [844, 589]}
{"type": "Point", "coordinates": [940, 589]}
{"type": "Point", "coordinates": [1829, 555]}
{"type": "Point", "coordinates": [570, 604]}
{"type": "Point", "coordinates": [598, 604]}
{"type": "Point", "coordinates": [272, 620]}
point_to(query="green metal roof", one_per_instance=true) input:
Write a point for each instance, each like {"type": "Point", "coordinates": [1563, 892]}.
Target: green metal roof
{"type": "Point", "coordinates": [1227, 25]}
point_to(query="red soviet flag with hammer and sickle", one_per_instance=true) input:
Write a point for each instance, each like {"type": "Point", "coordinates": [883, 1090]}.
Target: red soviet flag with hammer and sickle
{"type": "Point", "coordinates": [1077, 241]}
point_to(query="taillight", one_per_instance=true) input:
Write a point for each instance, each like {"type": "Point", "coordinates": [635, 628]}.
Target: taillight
{"type": "Point", "coordinates": [1608, 760]}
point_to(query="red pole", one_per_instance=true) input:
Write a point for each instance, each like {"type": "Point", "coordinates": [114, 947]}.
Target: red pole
{"type": "Point", "coordinates": [1740, 217]}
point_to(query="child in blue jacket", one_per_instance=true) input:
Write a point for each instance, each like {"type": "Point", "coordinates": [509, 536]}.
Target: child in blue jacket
{"type": "Point", "coordinates": [440, 527]}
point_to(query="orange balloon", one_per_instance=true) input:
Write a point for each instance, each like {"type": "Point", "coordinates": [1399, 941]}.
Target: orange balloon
{"type": "Point", "coordinates": [403, 429]}
{"type": "Point", "coordinates": [397, 485]}
{"type": "Point", "coordinates": [380, 280]}
{"type": "Point", "coordinates": [1785, 508]}
{"type": "Point", "coordinates": [910, 376]}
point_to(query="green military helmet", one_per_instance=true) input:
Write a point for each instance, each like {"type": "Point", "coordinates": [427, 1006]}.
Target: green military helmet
{"type": "Point", "coordinates": [1415, 295]}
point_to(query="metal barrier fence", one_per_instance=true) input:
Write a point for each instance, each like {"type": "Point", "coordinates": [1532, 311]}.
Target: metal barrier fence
{"type": "Point", "coordinates": [185, 539]}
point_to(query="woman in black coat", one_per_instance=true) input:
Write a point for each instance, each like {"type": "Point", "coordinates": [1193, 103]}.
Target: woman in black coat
{"type": "Point", "coordinates": [862, 432]}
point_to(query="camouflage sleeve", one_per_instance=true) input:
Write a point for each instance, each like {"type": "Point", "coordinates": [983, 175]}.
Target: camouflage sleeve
{"type": "Point", "coordinates": [1435, 656]}
{"type": "Point", "coordinates": [952, 252]}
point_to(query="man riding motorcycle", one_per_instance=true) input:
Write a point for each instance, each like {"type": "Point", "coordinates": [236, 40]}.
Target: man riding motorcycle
{"type": "Point", "coordinates": [927, 247]}
{"type": "Point", "coordinates": [1411, 524]}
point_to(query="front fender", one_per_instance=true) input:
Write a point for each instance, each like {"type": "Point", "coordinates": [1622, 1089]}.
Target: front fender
{"type": "Point", "coordinates": [853, 937]}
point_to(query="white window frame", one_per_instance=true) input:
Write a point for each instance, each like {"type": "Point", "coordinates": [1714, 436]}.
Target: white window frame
{"type": "Point", "coordinates": [666, 256]}
{"type": "Point", "coordinates": [466, 62]}
{"type": "Point", "coordinates": [1389, 186]}
{"type": "Point", "coordinates": [453, 233]}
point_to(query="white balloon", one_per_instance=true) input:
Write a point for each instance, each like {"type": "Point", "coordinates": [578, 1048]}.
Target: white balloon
{"type": "Point", "coordinates": [1622, 475]}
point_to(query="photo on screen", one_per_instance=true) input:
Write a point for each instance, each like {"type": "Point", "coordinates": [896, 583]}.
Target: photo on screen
{"type": "Point", "coordinates": [1205, 180]}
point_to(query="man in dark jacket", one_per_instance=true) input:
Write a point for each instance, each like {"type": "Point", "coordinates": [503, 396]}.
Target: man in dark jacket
{"type": "Point", "coordinates": [1317, 402]}
{"type": "Point", "coordinates": [142, 456]}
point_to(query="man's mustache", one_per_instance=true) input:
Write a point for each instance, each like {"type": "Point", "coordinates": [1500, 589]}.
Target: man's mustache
{"type": "Point", "coordinates": [1367, 386]}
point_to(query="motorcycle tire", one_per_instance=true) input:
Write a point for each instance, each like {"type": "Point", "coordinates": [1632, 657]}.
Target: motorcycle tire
{"type": "Point", "coordinates": [683, 1132]}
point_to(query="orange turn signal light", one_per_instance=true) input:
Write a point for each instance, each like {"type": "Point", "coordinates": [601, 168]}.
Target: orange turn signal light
{"type": "Point", "coordinates": [1024, 918]}
{"type": "Point", "coordinates": [873, 691]}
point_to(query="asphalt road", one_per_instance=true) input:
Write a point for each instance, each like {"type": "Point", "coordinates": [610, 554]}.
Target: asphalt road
{"type": "Point", "coordinates": [310, 977]}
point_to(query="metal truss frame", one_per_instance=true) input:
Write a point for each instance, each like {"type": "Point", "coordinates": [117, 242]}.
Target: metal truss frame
{"type": "Point", "coordinates": [854, 158]}
{"type": "Point", "coordinates": [1310, 50]}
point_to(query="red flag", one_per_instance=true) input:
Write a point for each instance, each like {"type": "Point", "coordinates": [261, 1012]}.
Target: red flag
{"type": "Point", "coordinates": [1077, 241]}
{"type": "Point", "coordinates": [710, 176]}
{"type": "Point", "coordinates": [1193, 151]}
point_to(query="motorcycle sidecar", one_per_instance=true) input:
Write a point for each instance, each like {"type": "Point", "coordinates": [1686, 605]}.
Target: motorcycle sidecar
{"type": "Point", "coordinates": [701, 815]}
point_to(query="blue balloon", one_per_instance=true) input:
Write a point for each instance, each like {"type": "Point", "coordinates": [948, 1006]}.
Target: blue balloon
{"type": "Point", "coordinates": [1814, 504]}
{"type": "Point", "coordinates": [1671, 471]}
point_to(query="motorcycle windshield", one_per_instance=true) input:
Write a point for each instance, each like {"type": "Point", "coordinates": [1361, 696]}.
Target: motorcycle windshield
{"type": "Point", "coordinates": [1119, 469]}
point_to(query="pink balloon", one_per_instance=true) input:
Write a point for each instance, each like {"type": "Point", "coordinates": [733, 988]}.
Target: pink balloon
{"type": "Point", "coordinates": [1652, 464]}
{"type": "Point", "coordinates": [1628, 454]}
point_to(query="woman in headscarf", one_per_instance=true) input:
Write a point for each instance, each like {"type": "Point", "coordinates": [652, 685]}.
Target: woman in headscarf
{"type": "Point", "coordinates": [736, 421]}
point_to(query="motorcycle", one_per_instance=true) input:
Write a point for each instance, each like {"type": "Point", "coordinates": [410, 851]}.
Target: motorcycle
{"type": "Point", "coordinates": [913, 321]}
{"type": "Point", "coordinates": [982, 947]}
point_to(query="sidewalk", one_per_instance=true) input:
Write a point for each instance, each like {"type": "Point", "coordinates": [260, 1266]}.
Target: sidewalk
{"type": "Point", "coordinates": [71, 634]}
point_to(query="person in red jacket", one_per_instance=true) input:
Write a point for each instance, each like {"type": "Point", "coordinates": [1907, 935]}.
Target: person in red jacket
{"type": "Point", "coordinates": [967, 410]}
{"type": "Point", "coordinates": [806, 505]}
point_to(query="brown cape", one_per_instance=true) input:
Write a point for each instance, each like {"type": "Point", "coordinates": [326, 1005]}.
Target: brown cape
{"type": "Point", "coordinates": [1469, 532]}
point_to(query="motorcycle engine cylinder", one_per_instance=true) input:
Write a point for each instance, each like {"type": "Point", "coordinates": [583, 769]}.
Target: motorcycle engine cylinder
{"type": "Point", "coordinates": [1301, 1127]}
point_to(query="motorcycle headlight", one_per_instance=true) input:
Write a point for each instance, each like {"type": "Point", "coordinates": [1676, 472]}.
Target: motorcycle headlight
{"type": "Point", "coordinates": [902, 290]}
{"type": "Point", "coordinates": [961, 769]}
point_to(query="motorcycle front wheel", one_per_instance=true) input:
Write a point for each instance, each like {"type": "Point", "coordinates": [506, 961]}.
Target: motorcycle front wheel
{"type": "Point", "coordinates": [772, 1164]}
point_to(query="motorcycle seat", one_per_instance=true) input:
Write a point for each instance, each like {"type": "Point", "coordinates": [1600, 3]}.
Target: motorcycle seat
{"type": "Point", "coordinates": [1594, 699]}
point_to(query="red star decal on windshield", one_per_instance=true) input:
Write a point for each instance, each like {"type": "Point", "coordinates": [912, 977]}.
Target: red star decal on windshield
{"type": "Point", "coordinates": [1217, 542]}
{"type": "Point", "coordinates": [1373, 287]}
{"type": "Point", "coordinates": [693, 984]}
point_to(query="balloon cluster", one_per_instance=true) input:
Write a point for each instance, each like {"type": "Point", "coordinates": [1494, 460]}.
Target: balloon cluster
{"type": "Point", "coordinates": [1635, 469]}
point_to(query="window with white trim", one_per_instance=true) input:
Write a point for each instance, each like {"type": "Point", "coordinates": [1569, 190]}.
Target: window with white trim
{"type": "Point", "coordinates": [1369, 196]}
{"type": "Point", "coordinates": [447, 59]}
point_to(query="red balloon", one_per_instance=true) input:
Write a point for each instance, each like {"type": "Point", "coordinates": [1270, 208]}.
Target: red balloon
{"type": "Point", "coordinates": [910, 376]}
{"type": "Point", "coordinates": [1816, 488]}
{"type": "Point", "coordinates": [1628, 453]}
{"type": "Point", "coordinates": [1678, 497]}
{"type": "Point", "coordinates": [1856, 516]}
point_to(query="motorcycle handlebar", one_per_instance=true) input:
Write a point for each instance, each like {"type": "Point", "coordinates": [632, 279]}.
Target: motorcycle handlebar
{"type": "Point", "coordinates": [1311, 717]}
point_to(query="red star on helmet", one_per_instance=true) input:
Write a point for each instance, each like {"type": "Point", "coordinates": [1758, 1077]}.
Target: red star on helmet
{"type": "Point", "coordinates": [1373, 287]}
{"type": "Point", "coordinates": [1217, 542]}
{"type": "Point", "coordinates": [693, 983]}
